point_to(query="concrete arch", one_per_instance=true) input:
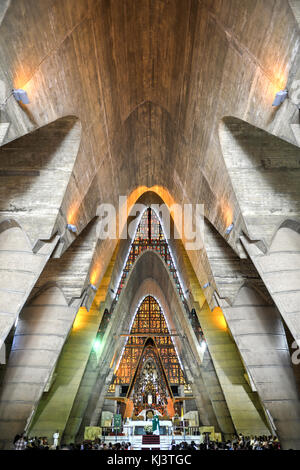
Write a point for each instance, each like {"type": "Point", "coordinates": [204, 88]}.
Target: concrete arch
{"type": "Point", "coordinates": [288, 223]}
{"type": "Point", "coordinates": [182, 258]}
{"type": "Point", "coordinates": [210, 401]}
{"type": "Point", "coordinates": [148, 266]}
{"type": "Point", "coordinates": [69, 270]}
{"type": "Point", "coordinates": [260, 336]}
{"type": "Point", "coordinates": [35, 170]}
{"type": "Point", "coordinates": [210, 329]}
{"type": "Point", "coordinates": [280, 269]}
{"type": "Point", "coordinates": [257, 328]}
{"type": "Point", "coordinates": [42, 328]}
{"type": "Point", "coordinates": [265, 172]}
{"type": "Point", "coordinates": [20, 268]}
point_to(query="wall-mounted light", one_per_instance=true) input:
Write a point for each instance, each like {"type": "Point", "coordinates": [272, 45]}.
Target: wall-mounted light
{"type": "Point", "coordinates": [93, 287]}
{"type": "Point", "coordinates": [280, 97]}
{"type": "Point", "coordinates": [229, 228]}
{"type": "Point", "coordinates": [72, 228]}
{"type": "Point", "coordinates": [21, 95]}
{"type": "Point", "coordinates": [206, 285]}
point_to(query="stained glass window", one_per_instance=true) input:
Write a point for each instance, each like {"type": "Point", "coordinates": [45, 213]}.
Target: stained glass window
{"type": "Point", "coordinates": [149, 321]}
{"type": "Point", "coordinates": [149, 236]}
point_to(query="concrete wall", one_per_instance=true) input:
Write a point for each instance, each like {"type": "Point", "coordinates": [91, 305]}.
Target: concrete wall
{"type": "Point", "coordinates": [39, 337]}
{"type": "Point", "coordinates": [149, 262]}
{"type": "Point", "coordinates": [82, 60]}
{"type": "Point", "coordinates": [265, 173]}
{"type": "Point", "coordinates": [243, 404]}
{"type": "Point", "coordinates": [149, 86]}
{"type": "Point", "coordinates": [260, 336]}
{"type": "Point", "coordinates": [55, 406]}
{"type": "Point", "coordinates": [20, 268]}
{"type": "Point", "coordinates": [279, 268]}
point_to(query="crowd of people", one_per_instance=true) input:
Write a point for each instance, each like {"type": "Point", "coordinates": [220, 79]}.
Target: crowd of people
{"type": "Point", "coordinates": [240, 442]}
{"type": "Point", "coordinates": [21, 442]}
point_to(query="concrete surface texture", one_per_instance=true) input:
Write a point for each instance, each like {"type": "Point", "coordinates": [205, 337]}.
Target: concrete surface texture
{"type": "Point", "coordinates": [161, 102]}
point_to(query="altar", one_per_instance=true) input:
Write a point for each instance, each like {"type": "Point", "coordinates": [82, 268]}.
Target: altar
{"type": "Point", "coordinates": [136, 428]}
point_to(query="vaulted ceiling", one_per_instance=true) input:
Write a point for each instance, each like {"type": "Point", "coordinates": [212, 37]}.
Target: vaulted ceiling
{"type": "Point", "coordinates": [156, 100]}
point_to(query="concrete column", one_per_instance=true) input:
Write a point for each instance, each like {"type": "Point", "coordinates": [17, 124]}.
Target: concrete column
{"type": "Point", "coordinates": [216, 396]}
{"type": "Point", "coordinates": [260, 336]}
{"type": "Point", "coordinates": [20, 269]}
{"type": "Point", "coordinates": [55, 406]}
{"type": "Point", "coordinates": [243, 404]}
{"type": "Point", "coordinates": [40, 334]}
{"type": "Point", "coordinates": [279, 268]}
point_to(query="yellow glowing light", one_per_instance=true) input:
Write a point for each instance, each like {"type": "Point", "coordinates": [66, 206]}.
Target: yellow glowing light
{"type": "Point", "coordinates": [112, 362]}
{"type": "Point", "coordinates": [279, 81]}
{"type": "Point", "coordinates": [122, 217]}
{"type": "Point", "coordinates": [137, 193]}
{"type": "Point", "coordinates": [21, 76]}
{"type": "Point", "coordinates": [95, 274]}
{"type": "Point", "coordinates": [80, 319]}
{"type": "Point", "coordinates": [73, 213]}
{"type": "Point", "coordinates": [226, 211]}
{"type": "Point", "coordinates": [219, 318]}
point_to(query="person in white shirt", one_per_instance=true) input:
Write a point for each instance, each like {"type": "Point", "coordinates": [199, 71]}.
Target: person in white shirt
{"type": "Point", "coordinates": [55, 438]}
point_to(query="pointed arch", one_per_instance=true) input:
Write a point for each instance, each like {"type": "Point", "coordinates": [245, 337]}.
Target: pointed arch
{"type": "Point", "coordinates": [264, 172]}
{"type": "Point", "coordinates": [149, 321]}
{"type": "Point", "coordinates": [280, 269]}
{"type": "Point", "coordinates": [19, 270]}
{"type": "Point", "coordinates": [35, 170]}
{"type": "Point", "coordinates": [260, 336]}
{"type": "Point", "coordinates": [40, 334]}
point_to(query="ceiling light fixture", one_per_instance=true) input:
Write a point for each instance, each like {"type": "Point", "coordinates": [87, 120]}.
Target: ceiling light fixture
{"type": "Point", "coordinates": [206, 285]}
{"type": "Point", "coordinates": [93, 287]}
{"type": "Point", "coordinates": [229, 228]}
{"type": "Point", "coordinates": [280, 97]}
{"type": "Point", "coordinates": [72, 228]}
{"type": "Point", "coordinates": [21, 95]}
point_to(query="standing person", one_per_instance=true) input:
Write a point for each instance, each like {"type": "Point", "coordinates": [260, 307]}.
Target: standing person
{"type": "Point", "coordinates": [21, 443]}
{"type": "Point", "coordinates": [16, 438]}
{"type": "Point", "coordinates": [155, 425]}
{"type": "Point", "coordinates": [172, 445]}
{"type": "Point", "coordinates": [55, 438]}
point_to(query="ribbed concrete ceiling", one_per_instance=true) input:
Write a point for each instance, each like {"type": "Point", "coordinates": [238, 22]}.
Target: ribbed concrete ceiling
{"type": "Point", "coordinates": [150, 82]}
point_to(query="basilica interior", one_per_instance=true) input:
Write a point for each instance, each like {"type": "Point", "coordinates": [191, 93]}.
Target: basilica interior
{"type": "Point", "coordinates": [140, 109]}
